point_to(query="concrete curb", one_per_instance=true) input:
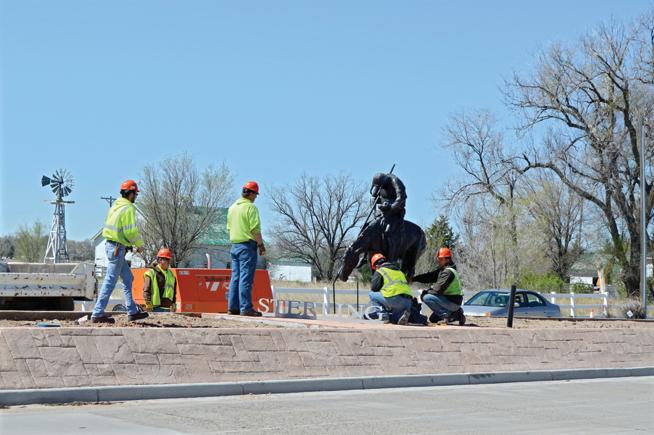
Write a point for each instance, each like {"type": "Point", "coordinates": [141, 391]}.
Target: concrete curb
{"type": "Point", "coordinates": [178, 391]}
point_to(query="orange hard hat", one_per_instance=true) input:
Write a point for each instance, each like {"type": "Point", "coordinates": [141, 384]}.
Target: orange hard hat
{"type": "Point", "coordinates": [375, 259]}
{"type": "Point", "coordinates": [444, 253]}
{"type": "Point", "coordinates": [252, 185]}
{"type": "Point", "coordinates": [165, 253]}
{"type": "Point", "coordinates": [129, 185]}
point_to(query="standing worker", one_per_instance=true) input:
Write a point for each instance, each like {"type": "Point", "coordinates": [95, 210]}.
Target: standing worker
{"type": "Point", "coordinates": [244, 226]}
{"type": "Point", "coordinates": [121, 234]}
{"type": "Point", "coordinates": [160, 285]}
{"type": "Point", "coordinates": [446, 296]}
{"type": "Point", "coordinates": [389, 289]}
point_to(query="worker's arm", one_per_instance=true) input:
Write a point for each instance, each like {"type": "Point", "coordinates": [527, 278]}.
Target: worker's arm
{"type": "Point", "coordinates": [147, 292]}
{"type": "Point", "coordinates": [427, 278]}
{"type": "Point", "coordinates": [377, 282]}
{"type": "Point", "coordinates": [400, 193]}
{"type": "Point", "coordinates": [444, 279]}
{"type": "Point", "coordinates": [255, 225]}
{"type": "Point", "coordinates": [129, 228]}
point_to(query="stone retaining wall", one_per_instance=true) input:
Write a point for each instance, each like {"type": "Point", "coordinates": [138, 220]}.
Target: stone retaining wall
{"type": "Point", "coordinates": [71, 357]}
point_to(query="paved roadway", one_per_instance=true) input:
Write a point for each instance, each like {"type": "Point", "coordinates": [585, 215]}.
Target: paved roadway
{"type": "Point", "coordinates": [608, 406]}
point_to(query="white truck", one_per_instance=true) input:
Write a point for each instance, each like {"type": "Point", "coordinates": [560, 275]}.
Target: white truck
{"type": "Point", "coordinates": [46, 287]}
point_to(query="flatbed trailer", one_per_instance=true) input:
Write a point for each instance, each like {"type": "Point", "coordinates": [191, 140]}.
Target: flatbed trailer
{"type": "Point", "coordinates": [43, 286]}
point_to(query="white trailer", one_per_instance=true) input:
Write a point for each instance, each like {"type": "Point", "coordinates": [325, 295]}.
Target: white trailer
{"type": "Point", "coordinates": [40, 286]}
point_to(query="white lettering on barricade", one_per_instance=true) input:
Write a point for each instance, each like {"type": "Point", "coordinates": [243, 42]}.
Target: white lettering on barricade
{"type": "Point", "coordinates": [289, 308]}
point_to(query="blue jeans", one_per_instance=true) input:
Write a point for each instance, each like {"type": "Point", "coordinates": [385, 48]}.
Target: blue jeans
{"type": "Point", "coordinates": [395, 305]}
{"type": "Point", "coordinates": [244, 263]}
{"type": "Point", "coordinates": [440, 305]}
{"type": "Point", "coordinates": [117, 266]}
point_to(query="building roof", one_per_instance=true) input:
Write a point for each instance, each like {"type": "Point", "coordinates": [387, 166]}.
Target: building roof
{"type": "Point", "coordinates": [289, 261]}
{"type": "Point", "coordinates": [216, 234]}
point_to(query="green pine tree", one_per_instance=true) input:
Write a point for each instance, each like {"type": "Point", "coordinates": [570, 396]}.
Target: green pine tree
{"type": "Point", "coordinates": [439, 234]}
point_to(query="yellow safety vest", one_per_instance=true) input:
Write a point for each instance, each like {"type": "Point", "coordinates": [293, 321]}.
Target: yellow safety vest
{"type": "Point", "coordinates": [169, 290]}
{"type": "Point", "coordinates": [120, 224]}
{"type": "Point", "coordinates": [454, 289]}
{"type": "Point", "coordinates": [395, 283]}
{"type": "Point", "coordinates": [243, 222]}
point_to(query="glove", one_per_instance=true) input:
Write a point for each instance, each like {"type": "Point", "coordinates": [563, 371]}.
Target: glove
{"type": "Point", "coordinates": [173, 308]}
{"type": "Point", "coordinates": [424, 293]}
{"type": "Point", "coordinates": [148, 307]}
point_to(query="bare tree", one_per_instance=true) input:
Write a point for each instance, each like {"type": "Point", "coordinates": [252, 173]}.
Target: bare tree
{"type": "Point", "coordinates": [178, 204]}
{"type": "Point", "coordinates": [589, 99]}
{"type": "Point", "coordinates": [30, 242]}
{"type": "Point", "coordinates": [7, 246]}
{"type": "Point", "coordinates": [488, 171]}
{"type": "Point", "coordinates": [317, 218]}
{"type": "Point", "coordinates": [558, 214]}
{"type": "Point", "coordinates": [81, 250]}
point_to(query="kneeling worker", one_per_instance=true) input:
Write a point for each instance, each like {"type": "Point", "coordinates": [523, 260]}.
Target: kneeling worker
{"type": "Point", "coordinates": [160, 285]}
{"type": "Point", "coordinates": [446, 295]}
{"type": "Point", "coordinates": [390, 290]}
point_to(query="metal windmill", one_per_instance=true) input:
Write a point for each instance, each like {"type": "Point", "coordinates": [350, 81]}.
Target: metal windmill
{"type": "Point", "coordinates": [61, 184]}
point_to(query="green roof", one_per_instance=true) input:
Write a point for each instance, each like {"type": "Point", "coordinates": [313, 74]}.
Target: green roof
{"type": "Point", "coordinates": [216, 234]}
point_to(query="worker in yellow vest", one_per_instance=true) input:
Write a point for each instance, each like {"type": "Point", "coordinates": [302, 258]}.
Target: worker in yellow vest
{"type": "Point", "coordinates": [121, 234]}
{"type": "Point", "coordinates": [446, 295]}
{"type": "Point", "coordinates": [160, 285]}
{"type": "Point", "coordinates": [390, 290]}
{"type": "Point", "coordinates": [244, 226]}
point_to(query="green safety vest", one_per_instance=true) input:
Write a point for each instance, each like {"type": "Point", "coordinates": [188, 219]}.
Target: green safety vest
{"type": "Point", "coordinates": [395, 283]}
{"type": "Point", "coordinates": [169, 291]}
{"type": "Point", "coordinates": [120, 224]}
{"type": "Point", "coordinates": [454, 289]}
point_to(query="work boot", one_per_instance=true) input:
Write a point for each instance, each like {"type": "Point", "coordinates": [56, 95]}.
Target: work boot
{"type": "Point", "coordinates": [234, 312]}
{"type": "Point", "coordinates": [139, 315]}
{"type": "Point", "coordinates": [251, 313]}
{"type": "Point", "coordinates": [103, 319]}
{"type": "Point", "coordinates": [435, 318]}
{"type": "Point", "coordinates": [404, 318]}
{"type": "Point", "coordinates": [457, 316]}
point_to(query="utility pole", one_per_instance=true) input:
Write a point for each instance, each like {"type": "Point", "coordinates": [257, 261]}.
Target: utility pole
{"type": "Point", "coordinates": [110, 199]}
{"type": "Point", "coordinates": [643, 223]}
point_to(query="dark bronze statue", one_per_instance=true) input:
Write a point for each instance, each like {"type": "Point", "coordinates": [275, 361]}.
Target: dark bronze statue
{"type": "Point", "coordinates": [400, 241]}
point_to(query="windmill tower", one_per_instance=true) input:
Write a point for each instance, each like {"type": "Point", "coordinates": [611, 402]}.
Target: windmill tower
{"type": "Point", "coordinates": [61, 184]}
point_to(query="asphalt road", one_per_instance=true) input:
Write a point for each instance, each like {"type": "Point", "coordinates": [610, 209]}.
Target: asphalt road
{"type": "Point", "coordinates": [608, 406]}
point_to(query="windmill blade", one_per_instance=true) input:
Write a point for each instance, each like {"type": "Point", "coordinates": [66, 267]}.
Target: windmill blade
{"type": "Point", "coordinates": [45, 181]}
{"type": "Point", "coordinates": [66, 191]}
{"type": "Point", "coordinates": [58, 176]}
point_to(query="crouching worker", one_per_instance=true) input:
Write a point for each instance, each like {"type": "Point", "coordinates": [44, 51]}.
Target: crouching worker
{"type": "Point", "coordinates": [160, 285]}
{"type": "Point", "coordinates": [446, 295]}
{"type": "Point", "coordinates": [390, 290]}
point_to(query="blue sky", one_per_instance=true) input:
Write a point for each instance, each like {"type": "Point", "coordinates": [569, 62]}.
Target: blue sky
{"type": "Point", "coordinates": [274, 89]}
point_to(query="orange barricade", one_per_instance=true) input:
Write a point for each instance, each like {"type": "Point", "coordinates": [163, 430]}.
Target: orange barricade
{"type": "Point", "coordinates": [205, 290]}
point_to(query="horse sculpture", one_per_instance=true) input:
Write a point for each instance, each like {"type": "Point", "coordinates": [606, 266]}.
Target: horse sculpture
{"type": "Point", "coordinates": [403, 246]}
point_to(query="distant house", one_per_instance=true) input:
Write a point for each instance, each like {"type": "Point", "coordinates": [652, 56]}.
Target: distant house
{"type": "Point", "coordinates": [583, 271]}
{"type": "Point", "coordinates": [211, 250]}
{"type": "Point", "coordinates": [290, 270]}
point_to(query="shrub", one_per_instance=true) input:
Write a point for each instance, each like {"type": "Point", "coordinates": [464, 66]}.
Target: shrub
{"type": "Point", "coordinates": [635, 308]}
{"type": "Point", "coordinates": [543, 283]}
{"type": "Point", "coordinates": [581, 287]}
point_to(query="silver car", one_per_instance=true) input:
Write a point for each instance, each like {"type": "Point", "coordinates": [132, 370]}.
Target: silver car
{"type": "Point", "coordinates": [494, 303]}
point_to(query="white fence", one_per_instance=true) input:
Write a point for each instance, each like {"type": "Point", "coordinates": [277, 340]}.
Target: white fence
{"type": "Point", "coordinates": [567, 301]}
{"type": "Point", "coordinates": [602, 306]}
